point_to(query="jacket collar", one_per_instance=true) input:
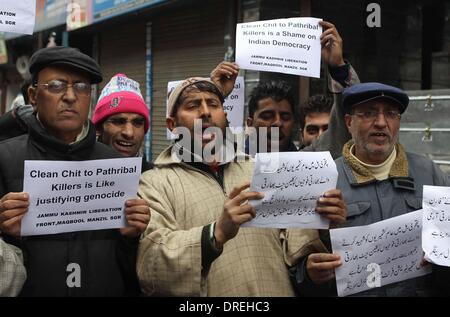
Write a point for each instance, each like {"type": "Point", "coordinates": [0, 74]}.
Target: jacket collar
{"type": "Point", "coordinates": [47, 142]}
{"type": "Point", "coordinates": [358, 174]}
{"type": "Point", "coordinates": [169, 156]}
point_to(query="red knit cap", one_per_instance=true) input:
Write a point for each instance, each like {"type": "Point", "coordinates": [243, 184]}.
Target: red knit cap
{"type": "Point", "coordinates": [120, 95]}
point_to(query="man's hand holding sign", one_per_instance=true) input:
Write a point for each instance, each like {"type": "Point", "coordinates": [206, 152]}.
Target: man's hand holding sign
{"type": "Point", "coordinates": [53, 202]}
{"type": "Point", "coordinates": [331, 43]}
{"type": "Point", "coordinates": [290, 46]}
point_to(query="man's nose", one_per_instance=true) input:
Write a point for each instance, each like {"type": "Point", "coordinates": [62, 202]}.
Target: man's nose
{"type": "Point", "coordinates": [322, 130]}
{"type": "Point", "coordinates": [69, 94]}
{"type": "Point", "coordinates": [381, 119]}
{"type": "Point", "coordinates": [204, 110]}
{"type": "Point", "coordinates": [277, 121]}
{"type": "Point", "coordinates": [128, 130]}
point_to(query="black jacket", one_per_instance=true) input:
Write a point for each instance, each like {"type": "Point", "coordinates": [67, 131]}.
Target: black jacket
{"type": "Point", "coordinates": [107, 259]}
{"type": "Point", "coordinates": [14, 122]}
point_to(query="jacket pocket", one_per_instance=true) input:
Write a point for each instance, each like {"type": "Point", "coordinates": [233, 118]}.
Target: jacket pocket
{"type": "Point", "coordinates": [357, 208]}
{"type": "Point", "coordinates": [413, 202]}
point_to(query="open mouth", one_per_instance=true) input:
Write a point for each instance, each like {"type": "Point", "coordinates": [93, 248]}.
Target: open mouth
{"type": "Point", "coordinates": [125, 145]}
{"type": "Point", "coordinates": [209, 135]}
{"type": "Point", "coordinates": [379, 136]}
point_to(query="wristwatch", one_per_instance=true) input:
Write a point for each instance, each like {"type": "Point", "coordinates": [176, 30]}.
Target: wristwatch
{"type": "Point", "coordinates": [212, 238]}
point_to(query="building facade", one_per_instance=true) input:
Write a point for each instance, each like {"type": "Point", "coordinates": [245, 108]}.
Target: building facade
{"type": "Point", "coordinates": [156, 41]}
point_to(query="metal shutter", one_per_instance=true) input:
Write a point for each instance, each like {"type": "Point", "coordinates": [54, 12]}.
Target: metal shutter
{"type": "Point", "coordinates": [186, 42]}
{"type": "Point", "coordinates": [122, 50]}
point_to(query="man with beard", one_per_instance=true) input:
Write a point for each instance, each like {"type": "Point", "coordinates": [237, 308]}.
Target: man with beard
{"type": "Point", "coordinates": [379, 180]}
{"type": "Point", "coordinates": [194, 245]}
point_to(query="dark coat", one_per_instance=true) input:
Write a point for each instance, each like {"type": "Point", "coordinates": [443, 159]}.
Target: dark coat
{"type": "Point", "coordinates": [106, 258]}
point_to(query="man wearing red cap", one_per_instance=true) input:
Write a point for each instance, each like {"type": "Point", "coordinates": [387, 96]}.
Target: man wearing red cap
{"type": "Point", "coordinates": [121, 117]}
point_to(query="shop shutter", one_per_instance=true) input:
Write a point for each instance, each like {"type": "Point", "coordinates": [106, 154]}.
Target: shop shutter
{"type": "Point", "coordinates": [122, 50]}
{"type": "Point", "coordinates": [185, 43]}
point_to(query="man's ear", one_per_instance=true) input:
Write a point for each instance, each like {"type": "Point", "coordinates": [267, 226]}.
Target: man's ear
{"type": "Point", "coordinates": [170, 123]}
{"type": "Point", "coordinates": [249, 122]}
{"type": "Point", "coordinates": [348, 122]}
{"type": "Point", "coordinates": [99, 131]}
{"type": "Point", "coordinates": [32, 96]}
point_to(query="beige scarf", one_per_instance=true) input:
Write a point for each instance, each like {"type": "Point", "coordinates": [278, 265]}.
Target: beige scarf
{"type": "Point", "coordinates": [363, 175]}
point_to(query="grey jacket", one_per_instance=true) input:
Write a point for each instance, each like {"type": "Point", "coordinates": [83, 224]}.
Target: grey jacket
{"type": "Point", "coordinates": [337, 134]}
{"type": "Point", "coordinates": [369, 200]}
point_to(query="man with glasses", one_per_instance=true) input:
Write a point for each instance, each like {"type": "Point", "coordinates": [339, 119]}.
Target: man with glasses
{"type": "Point", "coordinates": [379, 180]}
{"type": "Point", "coordinates": [121, 117]}
{"type": "Point", "coordinates": [60, 130]}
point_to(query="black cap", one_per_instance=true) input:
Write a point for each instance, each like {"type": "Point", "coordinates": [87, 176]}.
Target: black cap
{"type": "Point", "coordinates": [364, 92]}
{"type": "Point", "coordinates": [67, 56]}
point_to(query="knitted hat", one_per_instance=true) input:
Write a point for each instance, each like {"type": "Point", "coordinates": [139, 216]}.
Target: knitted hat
{"type": "Point", "coordinates": [120, 95]}
{"type": "Point", "coordinates": [176, 92]}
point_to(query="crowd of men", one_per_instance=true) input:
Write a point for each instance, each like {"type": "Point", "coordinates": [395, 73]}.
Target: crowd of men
{"type": "Point", "coordinates": [183, 235]}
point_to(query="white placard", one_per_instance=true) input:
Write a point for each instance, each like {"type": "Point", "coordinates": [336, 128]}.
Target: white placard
{"type": "Point", "coordinates": [292, 182]}
{"type": "Point", "coordinates": [379, 254]}
{"type": "Point", "coordinates": [233, 106]}
{"type": "Point", "coordinates": [17, 16]}
{"type": "Point", "coordinates": [77, 196]}
{"type": "Point", "coordinates": [436, 224]}
{"type": "Point", "coordinates": [290, 46]}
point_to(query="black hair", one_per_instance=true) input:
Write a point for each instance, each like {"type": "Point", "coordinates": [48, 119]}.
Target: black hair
{"type": "Point", "coordinates": [277, 90]}
{"type": "Point", "coordinates": [316, 103]}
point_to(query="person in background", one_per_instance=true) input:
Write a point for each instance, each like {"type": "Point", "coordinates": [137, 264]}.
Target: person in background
{"type": "Point", "coordinates": [14, 121]}
{"type": "Point", "coordinates": [314, 119]}
{"type": "Point", "coordinates": [271, 104]}
{"type": "Point", "coordinates": [121, 117]}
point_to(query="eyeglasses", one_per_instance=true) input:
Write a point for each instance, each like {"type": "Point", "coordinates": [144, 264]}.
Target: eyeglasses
{"type": "Point", "coordinates": [372, 115]}
{"type": "Point", "coordinates": [60, 87]}
{"type": "Point", "coordinates": [136, 122]}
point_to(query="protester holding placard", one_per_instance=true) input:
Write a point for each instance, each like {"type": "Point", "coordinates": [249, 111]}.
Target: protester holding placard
{"type": "Point", "coordinates": [121, 117]}
{"type": "Point", "coordinates": [82, 263]}
{"type": "Point", "coordinates": [378, 179]}
{"type": "Point", "coordinates": [271, 104]}
{"type": "Point", "coordinates": [194, 245]}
